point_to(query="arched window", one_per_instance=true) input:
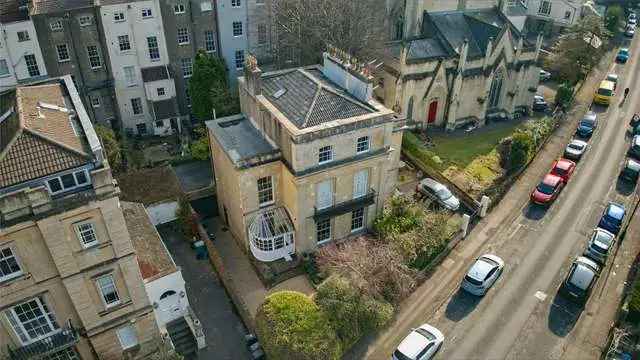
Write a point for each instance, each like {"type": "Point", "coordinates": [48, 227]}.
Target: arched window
{"type": "Point", "coordinates": [166, 294]}
{"type": "Point", "coordinates": [496, 89]}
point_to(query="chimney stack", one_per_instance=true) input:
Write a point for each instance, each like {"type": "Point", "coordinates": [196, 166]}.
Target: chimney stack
{"type": "Point", "coordinates": [348, 73]}
{"type": "Point", "coordinates": [252, 75]}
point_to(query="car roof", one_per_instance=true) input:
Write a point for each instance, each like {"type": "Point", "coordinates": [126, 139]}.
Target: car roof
{"type": "Point", "coordinates": [431, 183]}
{"type": "Point", "coordinates": [636, 140]}
{"type": "Point", "coordinates": [582, 275]}
{"type": "Point", "coordinates": [564, 164]}
{"type": "Point", "coordinates": [624, 50]}
{"type": "Point", "coordinates": [579, 142]}
{"type": "Point", "coordinates": [604, 84]}
{"type": "Point", "coordinates": [591, 115]}
{"type": "Point", "coordinates": [481, 268]}
{"type": "Point", "coordinates": [552, 180]}
{"type": "Point", "coordinates": [612, 77]}
{"type": "Point", "coordinates": [614, 210]}
{"type": "Point", "coordinates": [415, 342]}
{"type": "Point", "coordinates": [633, 165]}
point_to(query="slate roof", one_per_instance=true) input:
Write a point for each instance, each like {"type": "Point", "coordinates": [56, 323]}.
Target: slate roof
{"type": "Point", "coordinates": [427, 49]}
{"type": "Point", "coordinates": [165, 109]}
{"type": "Point", "coordinates": [240, 139]}
{"type": "Point", "coordinates": [57, 6]}
{"type": "Point", "coordinates": [310, 98]}
{"type": "Point", "coordinates": [155, 73]}
{"type": "Point", "coordinates": [477, 26]}
{"type": "Point", "coordinates": [37, 140]}
{"type": "Point", "coordinates": [153, 258]}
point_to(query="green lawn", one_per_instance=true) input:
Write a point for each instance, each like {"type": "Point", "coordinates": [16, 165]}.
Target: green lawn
{"type": "Point", "coordinates": [461, 149]}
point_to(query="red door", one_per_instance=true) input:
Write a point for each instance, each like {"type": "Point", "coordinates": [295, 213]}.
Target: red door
{"type": "Point", "coordinates": [433, 110]}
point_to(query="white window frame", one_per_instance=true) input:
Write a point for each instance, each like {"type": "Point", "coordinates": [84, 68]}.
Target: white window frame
{"type": "Point", "coordinates": [119, 16]}
{"type": "Point", "coordinates": [18, 326]}
{"type": "Point", "coordinates": [206, 6]}
{"type": "Point", "coordinates": [363, 144]}
{"type": "Point", "coordinates": [124, 40]}
{"type": "Point", "coordinates": [25, 36]}
{"type": "Point", "coordinates": [85, 20]}
{"type": "Point", "coordinates": [324, 203]}
{"type": "Point", "coordinates": [33, 69]}
{"type": "Point", "coordinates": [186, 65]}
{"type": "Point", "coordinates": [326, 225]}
{"type": "Point", "coordinates": [96, 57]}
{"type": "Point", "coordinates": [133, 106]}
{"type": "Point", "coordinates": [153, 50]}
{"type": "Point", "coordinates": [267, 191]}
{"type": "Point", "coordinates": [95, 101]}
{"type": "Point", "coordinates": [124, 343]}
{"type": "Point", "coordinates": [161, 90]}
{"type": "Point", "coordinates": [130, 75]}
{"type": "Point", "coordinates": [56, 25]}
{"type": "Point", "coordinates": [66, 49]}
{"type": "Point", "coordinates": [322, 151]}
{"type": "Point", "coordinates": [178, 9]}
{"type": "Point", "coordinates": [358, 218]}
{"type": "Point", "coordinates": [360, 183]}
{"type": "Point", "coordinates": [241, 58]}
{"type": "Point", "coordinates": [88, 230]}
{"type": "Point", "coordinates": [209, 41]}
{"type": "Point", "coordinates": [5, 258]}
{"type": "Point", "coordinates": [101, 290]}
{"type": "Point", "coordinates": [183, 36]}
{"type": "Point", "coordinates": [544, 10]}
{"type": "Point", "coordinates": [236, 3]}
{"type": "Point", "coordinates": [75, 177]}
{"type": "Point", "coordinates": [146, 13]}
{"type": "Point", "coordinates": [237, 25]}
{"type": "Point", "coordinates": [5, 66]}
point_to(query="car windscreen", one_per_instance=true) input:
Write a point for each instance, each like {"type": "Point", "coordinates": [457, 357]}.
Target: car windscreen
{"type": "Point", "coordinates": [575, 146]}
{"type": "Point", "coordinates": [560, 171]}
{"type": "Point", "coordinates": [587, 123]}
{"type": "Point", "coordinates": [603, 238]}
{"type": "Point", "coordinates": [605, 92]}
{"type": "Point", "coordinates": [472, 280]}
{"type": "Point", "coordinates": [400, 356]}
{"type": "Point", "coordinates": [545, 188]}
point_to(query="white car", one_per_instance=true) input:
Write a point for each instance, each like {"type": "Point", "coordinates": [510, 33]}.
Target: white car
{"type": "Point", "coordinates": [439, 193]}
{"type": "Point", "coordinates": [483, 274]}
{"type": "Point", "coordinates": [614, 79]}
{"type": "Point", "coordinates": [632, 21]}
{"type": "Point", "coordinates": [575, 149]}
{"type": "Point", "coordinates": [600, 243]}
{"type": "Point", "coordinates": [630, 31]}
{"type": "Point", "coordinates": [421, 344]}
{"type": "Point", "coordinates": [544, 75]}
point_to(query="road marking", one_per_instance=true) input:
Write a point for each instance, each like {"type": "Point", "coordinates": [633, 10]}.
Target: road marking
{"type": "Point", "coordinates": [540, 295]}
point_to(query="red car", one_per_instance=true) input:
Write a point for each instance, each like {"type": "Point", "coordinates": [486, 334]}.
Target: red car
{"type": "Point", "coordinates": [563, 168]}
{"type": "Point", "coordinates": [548, 189]}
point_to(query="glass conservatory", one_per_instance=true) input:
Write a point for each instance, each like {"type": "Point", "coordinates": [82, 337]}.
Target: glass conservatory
{"type": "Point", "coordinates": [271, 235]}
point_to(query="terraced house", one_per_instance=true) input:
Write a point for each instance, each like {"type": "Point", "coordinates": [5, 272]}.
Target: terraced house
{"type": "Point", "coordinates": [309, 161]}
{"type": "Point", "coordinates": [70, 283]}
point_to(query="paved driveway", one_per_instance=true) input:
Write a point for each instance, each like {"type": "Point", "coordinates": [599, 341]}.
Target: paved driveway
{"type": "Point", "coordinates": [223, 329]}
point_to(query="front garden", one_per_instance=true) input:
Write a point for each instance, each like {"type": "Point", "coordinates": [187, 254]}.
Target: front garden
{"type": "Point", "coordinates": [355, 295]}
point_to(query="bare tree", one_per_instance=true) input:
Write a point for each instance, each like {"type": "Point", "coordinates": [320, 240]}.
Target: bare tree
{"type": "Point", "coordinates": [304, 28]}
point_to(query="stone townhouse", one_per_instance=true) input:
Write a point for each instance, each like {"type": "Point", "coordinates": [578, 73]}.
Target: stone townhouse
{"type": "Point", "coordinates": [461, 66]}
{"type": "Point", "coordinates": [20, 56]}
{"type": "Point", "coordinates": [310, 160]}
{"type": "Point", "coordinates": [71, 38]}
{"type": "Point", "coordinates": [70, 283]}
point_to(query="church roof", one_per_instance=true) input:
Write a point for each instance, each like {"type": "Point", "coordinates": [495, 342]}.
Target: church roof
{"type": "Point", "coordinates": [452, 28]}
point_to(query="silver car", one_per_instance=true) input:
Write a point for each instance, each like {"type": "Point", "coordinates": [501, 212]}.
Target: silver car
{"type": "Point", "coordinates": [600, 243]}
{"type": "Point", "coordinates": [439, 193]}
{"type": "Point", "coordinates": [421, 344]}
{"type": "Point", "coordinates": [483, 274]}
{"type": "Point", "coordinates": [580, 280]}
{"type": "Point", "coordinates": [575, 149]}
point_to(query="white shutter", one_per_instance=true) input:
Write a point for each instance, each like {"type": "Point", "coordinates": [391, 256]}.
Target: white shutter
{"type": "Point", "coordinates": [360, 181]}
{"type": "Point", "coordinates": [324, 194]}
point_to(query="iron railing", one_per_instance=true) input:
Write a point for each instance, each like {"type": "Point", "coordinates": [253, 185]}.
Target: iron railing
{"type": "Point", "coordinates": [345, 206]}
{"type": "Point", "coordinates": [60, 340]}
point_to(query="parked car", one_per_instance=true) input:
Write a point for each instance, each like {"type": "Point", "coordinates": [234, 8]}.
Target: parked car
{"type": "Point", "coordinates": [539, 103]}
{"type": "Point", "coordinates": [632, 16]}
{"type": "Point", "coordinates": [575, 149]}
{"type": "Point", "coordinates": [614, 79]}
{"type": "Point", "coordinates": [482, 274]}
{"type": "Point", "coordinates": [632, 21]}
{"type": "Point", "coordinates": [629, 31]}
{"type": "Point", "coordinates": [600, 243]}
{"type": "Point", "coordinates": [612, 218]}
{"type": "Point", "coordinates": [623, 55]}
{"type": "Point", "coordinates": [587, 125]}
{"type": "Point", "coordinates": [544, 75]}
{"type": "Point", "coordinates": [605, 92]}
{"type": "Point", "coordinates": [563, 168]}
{"type": "Point", "coordinates": [634, 149]}
{"type": "Point", "coordinates": [635, 120]}
{"type": "Point", "coordinates": [439, 193]}
{"type": "Point", "coordinates": [630, 171]}
{"type": "Point", "coordinates": [580, 280]}
{"type": "Point", "coordinates": [421, 344]}
{"type": "Point", "coordinates": [548, 190]}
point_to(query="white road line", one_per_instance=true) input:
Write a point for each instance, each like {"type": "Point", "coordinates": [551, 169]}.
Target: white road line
{"type": "Point", "coordinates": [540, 295]}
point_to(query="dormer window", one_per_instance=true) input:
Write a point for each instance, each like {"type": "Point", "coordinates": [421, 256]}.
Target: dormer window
{"type": "Point", "coordinates": [68, 182]}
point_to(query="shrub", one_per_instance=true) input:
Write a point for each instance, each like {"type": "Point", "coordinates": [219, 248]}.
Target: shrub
{"type": "Point", "coordinates": [634, 302]}
{"type": "Point", "coordinates": [186, 218]}
{"type": "Point", "coordinates": [291, 326]}
{"type": "Point", "coordinates": [613, 16]}
{"type": "Point", "coordinates": [400, 214]}
{"type": "Point", "coordinates": [351, 312]}
{"type": "Point", "coordinates": [413, 145]}
{"type": "Point", "coordinates": [522, 145]}
{"type": "Point", "coordinates": [564, 95]}
{"type": "Point", "coordinates": [111, 146]}
{"type": "Point", "coordinates": [200, 147]}
{"type": "Point", "coordinates": [388, 277]}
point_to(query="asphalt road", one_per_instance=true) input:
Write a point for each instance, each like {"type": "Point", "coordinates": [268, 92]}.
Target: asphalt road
{"type": "Point", "coordinates": [521, 317]}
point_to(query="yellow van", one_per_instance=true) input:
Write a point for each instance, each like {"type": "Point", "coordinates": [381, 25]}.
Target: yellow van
{"type": "Point", "coordinates": [605, 92]}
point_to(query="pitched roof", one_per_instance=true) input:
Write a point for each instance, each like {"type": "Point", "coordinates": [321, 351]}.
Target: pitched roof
{"type": "Point", "coordinates": [38, 137]}
{"type": "Point", "coordinates": [476, 26]}
{"type": "Point", "coordinates": [427, 49]}
{"type": "Point", "coordinates": [58, 6]}
{"type": "Point", "coordinates": [307, 98]}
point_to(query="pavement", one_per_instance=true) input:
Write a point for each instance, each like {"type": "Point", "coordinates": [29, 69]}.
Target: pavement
{"type": "Point", "coordinates": [223, 329]}
{"type": "Point", "coordinates": [247, 285]}
{"type": "Point", "coordinates": [521, 317]}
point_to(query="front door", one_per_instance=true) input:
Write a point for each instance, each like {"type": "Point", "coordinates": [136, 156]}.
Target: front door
{"type": "Point", "coordinates": [169, 306]}
{"type": "Point", "coordinates": [433, 110]}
